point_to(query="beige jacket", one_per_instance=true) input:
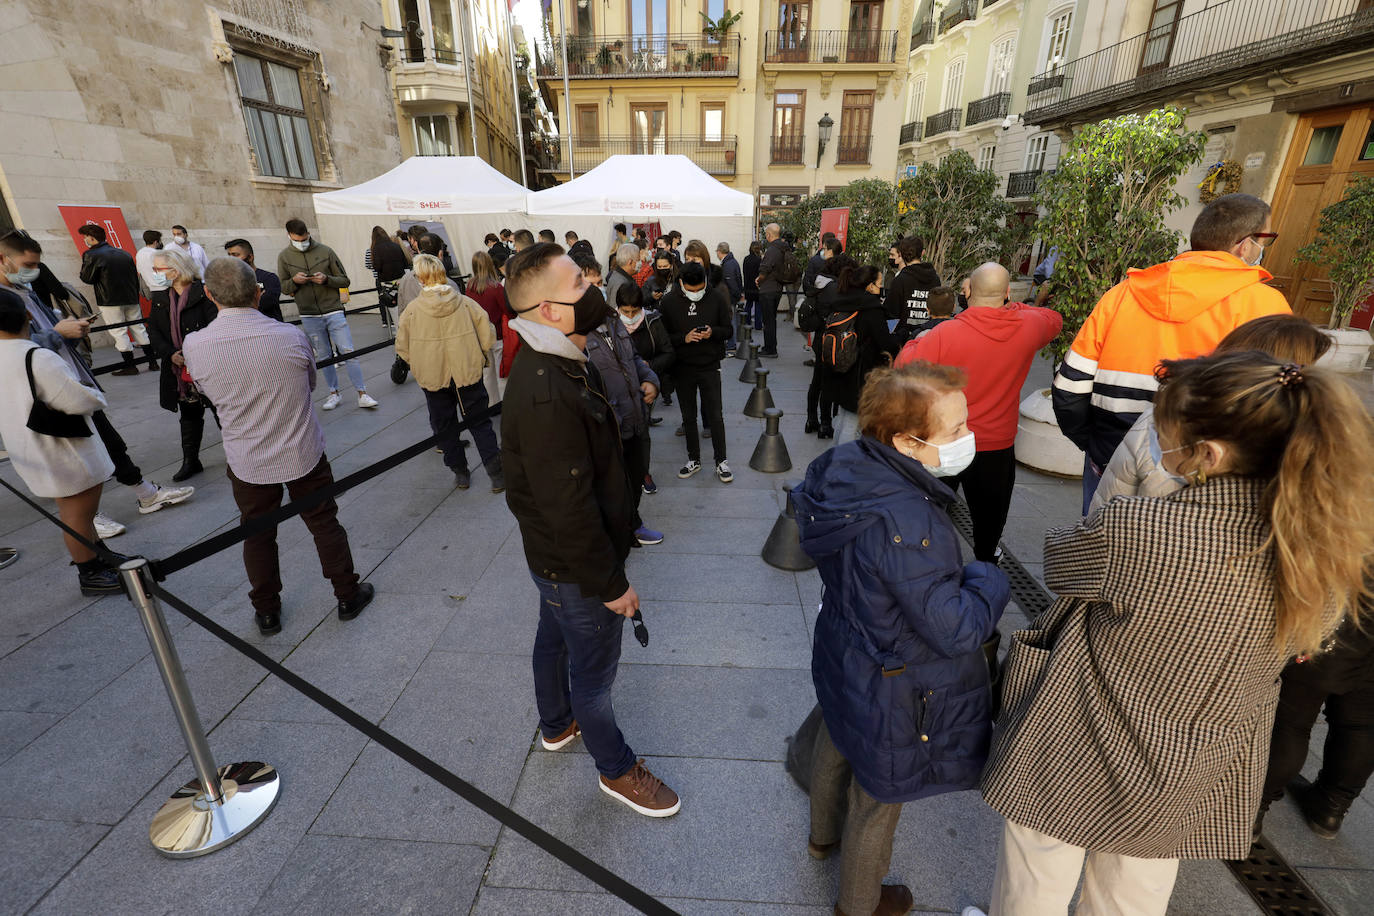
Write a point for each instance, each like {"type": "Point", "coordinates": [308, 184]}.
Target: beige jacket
{"type": "Point", "coordinates": [445, 338]}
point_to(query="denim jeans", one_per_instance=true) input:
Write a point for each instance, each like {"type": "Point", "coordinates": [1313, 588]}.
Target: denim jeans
{"type": "Point", "coordinates": [1092, 476]}
{"type": "Point", "coordinates": [576, 653]}
{"type": "Point", "coordinates": [328, 335]}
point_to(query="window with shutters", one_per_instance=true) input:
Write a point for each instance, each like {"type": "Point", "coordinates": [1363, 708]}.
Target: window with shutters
{"type": "Point", "coordinates": [1037, 148]}
{"type": "Point", "coordinates": [856, 126]}
{"type": "Point", "coordinates": [987, 157]}
{"type": "Point", "coordinates": [916, 100]}
{"type": "Point", "coordinates": [274, 108]}
{"type": "Point", "coordinates": [1057, 47]}
{"type": "Point", "coordinates": [954, 85]}
{"type": "Point", "coordinates": [1000, 65]}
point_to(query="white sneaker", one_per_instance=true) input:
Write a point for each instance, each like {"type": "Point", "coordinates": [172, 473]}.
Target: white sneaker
{"type": "Point", "coordinates": [330, 402]}
{"type": "Point", "coordinates": [165, 496]}
{"type": "Point", "coordinates": [973, 911]}
{"type": "Point", "coordinates": [106, 527]}
{"type": "Point", "coordinates": [723, 472]}
{"type": "Point", "coordinates": [366, 400]}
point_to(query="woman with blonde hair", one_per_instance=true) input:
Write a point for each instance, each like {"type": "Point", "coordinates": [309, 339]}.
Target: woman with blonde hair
{"type": "Point", "coordinates": [178, 309]}
{"type": "Point", "coordinates": [445, 337]}
{"type": "Point", "coordinates": [1137, 709]}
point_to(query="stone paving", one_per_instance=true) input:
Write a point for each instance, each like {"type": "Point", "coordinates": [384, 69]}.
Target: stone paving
{"type": "Point", "coordinates": [89, 748]}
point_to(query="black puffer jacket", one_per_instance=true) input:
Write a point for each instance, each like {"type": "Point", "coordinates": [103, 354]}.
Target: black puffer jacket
{"type": "Point", "coordinates": [112, 273]}
{"type": "Point", "coordinates": [198, 312]}
{"type": "Point", "coordinates": [566, 482]}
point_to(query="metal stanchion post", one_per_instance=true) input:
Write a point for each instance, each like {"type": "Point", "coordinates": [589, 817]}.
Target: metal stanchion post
{"type": "Point", "coordinates": [222, 803]}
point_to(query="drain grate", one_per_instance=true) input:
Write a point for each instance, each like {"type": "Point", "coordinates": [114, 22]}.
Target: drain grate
{"type": "Point", "coordinates": [1267, 877]}
{"type": "Point", "coordinates": [1275, 885]}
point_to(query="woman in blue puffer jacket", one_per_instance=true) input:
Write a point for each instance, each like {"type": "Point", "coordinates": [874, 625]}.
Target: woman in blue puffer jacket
{"type": "Point", "coordinates": [900, 675]}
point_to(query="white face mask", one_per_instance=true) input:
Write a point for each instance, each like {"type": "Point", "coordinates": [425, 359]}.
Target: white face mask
{"type": "Point", "coordinates": [1259, 257]}
{"type": "Point", "coordinates": [694, 296]}
{"type": "Point", "coordinates": [179, 239]}
{"type": "Point", "coordinates": [300, 245]}
{"type": "Point", "coordinates": [955, 457]}
{"type": "Point", "coordinates": [630, 322]}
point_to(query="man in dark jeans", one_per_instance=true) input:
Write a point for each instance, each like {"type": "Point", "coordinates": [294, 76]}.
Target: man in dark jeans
{"type": "Point", "coordinates": [567, 486]}
{"type": "Point", "coordinates": [260, 374]}
{"type": "Point", "coordinates": [771, 276]}
{"type": "Point", "coordinates": [698, 320]}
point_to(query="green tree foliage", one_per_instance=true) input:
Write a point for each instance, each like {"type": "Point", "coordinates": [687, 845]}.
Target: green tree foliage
{"type": "Point", "coordinates": [1105, 206]}
{"type": "Point", "coordinates": [953, 206]}
{"type": "Point", "coordinates": [873, 223]}
{"type": "Point", "coordinates": [1345, 246]}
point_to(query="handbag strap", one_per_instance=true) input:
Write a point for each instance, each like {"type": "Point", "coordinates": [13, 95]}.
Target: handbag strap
{"type": "Point", "coordinates": [28, 370]}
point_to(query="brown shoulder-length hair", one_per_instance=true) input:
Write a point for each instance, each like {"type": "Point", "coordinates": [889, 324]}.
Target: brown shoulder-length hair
{"type": "Point", "coordinates": [896, 401]}
{"type": "Point", "coordinates": [1288, 338]}
{"type": "Point", "coordinates": [696, 248]}
{"type": "Point", "coordinates": [1302, 431]}
{"type": "Point", "coordinates": [484, 272]}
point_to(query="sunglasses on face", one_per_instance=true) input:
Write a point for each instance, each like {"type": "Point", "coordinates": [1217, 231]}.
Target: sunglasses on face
{"type": "Point", "coordinates": [1263, 239]}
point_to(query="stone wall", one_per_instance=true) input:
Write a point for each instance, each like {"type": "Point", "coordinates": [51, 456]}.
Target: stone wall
{"type": "Point", "coordinates": [136, 105]}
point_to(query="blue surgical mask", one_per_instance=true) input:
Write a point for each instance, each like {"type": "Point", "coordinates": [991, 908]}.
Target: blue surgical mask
{"type": "Point", "coordinates": [159, 281]}
{"type": "Point", "coordinates": [24, 276]}
{"type": "Point", "coordinates": [300, 245]}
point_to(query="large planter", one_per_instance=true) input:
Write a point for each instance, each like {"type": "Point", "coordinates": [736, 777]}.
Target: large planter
{"type": "Point", "coordinates": [1349, 350]}
{"type": "Point", "coordinates": [1039, 443]}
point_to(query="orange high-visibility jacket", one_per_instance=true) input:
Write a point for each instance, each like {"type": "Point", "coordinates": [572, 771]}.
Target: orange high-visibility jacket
{"type": "Point", "coordinates": [1175, 310]}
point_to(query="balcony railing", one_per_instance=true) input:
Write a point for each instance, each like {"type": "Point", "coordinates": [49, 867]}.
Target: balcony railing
{"type": "Point", "coordinates": [854, 149]}
{"type": "Point", "coordinates": [955, 13]}
{"type": "Point", "coordinates": [1023, 184]}
{"type": "Point", "coordinates": [988, 108]}
{"type": "Point", "coordinates": [943, 122]}
{"type": "Point", "coordinates": [911, 132]}
{"type": "Point", "coordinates": [867, 46]}
{"type": "Point", "coordinates": [714, 156]}
{"type": "Point", "coordinates": [621, 56]}
{"type": "Point", "coordinates": [922, 34]}
{"type": "Point", "coordinates": [1227, 41]}
{"type": "Point", "coordinates": [787, 149]}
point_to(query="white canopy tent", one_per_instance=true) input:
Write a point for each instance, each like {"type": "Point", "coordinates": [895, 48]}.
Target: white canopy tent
{"type": "Point", "coordinates": [464, 193]}
{"type": "Point", "coordinates": [671, 190]}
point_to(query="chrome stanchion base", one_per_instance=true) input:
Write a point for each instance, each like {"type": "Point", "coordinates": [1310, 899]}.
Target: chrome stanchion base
{"type": "Point", "coordinates": [190, 825]}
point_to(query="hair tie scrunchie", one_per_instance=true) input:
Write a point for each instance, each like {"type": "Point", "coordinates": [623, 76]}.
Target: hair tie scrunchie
{"type": "Point", "coordinates": [1291, 376]}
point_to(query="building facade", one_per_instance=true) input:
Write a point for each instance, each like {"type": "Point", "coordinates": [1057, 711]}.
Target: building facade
{"type": "Point", "coordinates": [224, 117]}
{"type": "Point", "coordinates": [747, 105]}
{"type": "Point", "coordinates": [970, 65]}
{"type": "Point", "coordinates": [1283, 88]}
{"type": "Point", "coordinates": [451, 75]}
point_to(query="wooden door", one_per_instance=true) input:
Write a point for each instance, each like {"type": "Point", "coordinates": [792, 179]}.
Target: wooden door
{"type": "Point", "coordinates": [1330, 149]}
{"type": "Point", "coordinates": [865, 30]}
{"type": "Point", "coordinates": [794, 26]}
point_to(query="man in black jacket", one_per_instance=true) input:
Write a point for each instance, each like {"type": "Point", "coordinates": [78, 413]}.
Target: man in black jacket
{"type": "Point", "coordinates": [270, 284]}
{"type": "Point", "coordinates": [698, 320]}
{"type": "Point", "coordinates": [908, 291]}
{"type": "Point", "coordinates": [115, 277]}
{"type": "Point", "coordinates": [772, 274]}
{"type": "Point", "coordinates": [567, 486]}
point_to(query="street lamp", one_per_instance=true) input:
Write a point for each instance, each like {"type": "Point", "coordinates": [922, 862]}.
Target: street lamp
{"type": "Point", "coordinates": [825, 124]}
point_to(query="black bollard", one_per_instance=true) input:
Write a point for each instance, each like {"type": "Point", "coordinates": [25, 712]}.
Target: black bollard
{"type": "Point", "coordinates": [783, 549]}
{"type": "Point", "coordinates": [770, 455]}
{"type": "Point", "coordinates": [746, 337]}
{"type": "Point", "coordinates": [747, 374]}
{"type": "Point", "coordinates": [760, 399]}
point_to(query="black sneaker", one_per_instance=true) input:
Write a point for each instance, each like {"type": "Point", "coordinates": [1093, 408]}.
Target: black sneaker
{"type": "Point", "coordinates": [361, 599]}
{"type": "Point", "coordinates": [688, 469]}
{"type": "Point", "coordinates": [268, 624]}
{"type": "Point", "coordinates": [462, 479]}
{"type": "Point", "coordinates": [97, 580]}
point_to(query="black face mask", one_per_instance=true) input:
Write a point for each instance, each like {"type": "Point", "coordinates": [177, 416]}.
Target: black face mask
{"type": "Point", "coordinates": [662, 273]}
{"type": "Point", "coordinates": [588, 311]}
{"type": "Point", "coordinates": [892, 263]}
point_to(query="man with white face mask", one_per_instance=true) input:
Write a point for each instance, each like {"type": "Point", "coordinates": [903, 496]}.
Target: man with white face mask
{"type": "Point", "coordinates": [182, 239]}
{"type": "Point", "coordinates": [1175, 310]}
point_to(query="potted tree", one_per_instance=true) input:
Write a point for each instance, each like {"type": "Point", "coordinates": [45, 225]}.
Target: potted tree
{"type": "Point", "coordinates": [1104, 208]}
{"type": "Point", "coordinates": [1345, 246]}
{"type": "Point", "coordinates": [604, 58]}
{"type": "Point", "coordinates": [716, 31]}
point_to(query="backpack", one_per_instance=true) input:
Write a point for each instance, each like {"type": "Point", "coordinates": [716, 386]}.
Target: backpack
{"type": "Point", "coordinates": [789, 271]}
{"type": "Point", "coordinates": [809, 316]}
{"type": "Point", "coordinates": [839, 346]}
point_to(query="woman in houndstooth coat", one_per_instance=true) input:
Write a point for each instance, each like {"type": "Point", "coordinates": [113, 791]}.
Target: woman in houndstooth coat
{"type": "Point", "coordinates": [1137, 710]}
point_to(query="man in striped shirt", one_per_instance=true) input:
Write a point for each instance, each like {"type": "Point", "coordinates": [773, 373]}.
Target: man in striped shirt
{"type": "Point", "coordinates": [1175, 310]}
{"type": "Point", "coordinates": [260, 373]}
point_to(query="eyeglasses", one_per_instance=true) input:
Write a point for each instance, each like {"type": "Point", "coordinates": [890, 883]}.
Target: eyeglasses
{"type": "Point", "coordinates": [1263, 239]}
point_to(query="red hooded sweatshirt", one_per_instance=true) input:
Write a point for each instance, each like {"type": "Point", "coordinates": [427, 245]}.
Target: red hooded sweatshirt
{"type": "Point", "coordinates": [995, 346]}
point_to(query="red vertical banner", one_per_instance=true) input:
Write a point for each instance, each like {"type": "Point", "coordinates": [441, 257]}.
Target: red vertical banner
{"type": "Point", "coordinates": [111, 219]}
{"type": "Point", "coordinates": [836, 220]}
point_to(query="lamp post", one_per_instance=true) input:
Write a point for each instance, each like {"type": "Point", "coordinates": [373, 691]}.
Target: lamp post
{"type": "Point", "coordinates": [825, 125]}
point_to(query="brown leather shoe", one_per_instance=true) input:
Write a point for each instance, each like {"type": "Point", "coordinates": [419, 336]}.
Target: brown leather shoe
{"type": "Point", "coordinates": [642, 791]}
{"type": "Point", "coordinates": [562, 739]}
{"type": "Point", "coordinates": [895, 900]}
{"type": "Point", "coordinates": [820, 850]}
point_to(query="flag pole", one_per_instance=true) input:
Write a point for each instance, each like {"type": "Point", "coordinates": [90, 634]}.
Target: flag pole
{"type": "Point", "coordinates": [464, 22]}
{"type": "Point", "coordinates": [567, 92]}
{"type": "Point", "coordinates": [515, 87]}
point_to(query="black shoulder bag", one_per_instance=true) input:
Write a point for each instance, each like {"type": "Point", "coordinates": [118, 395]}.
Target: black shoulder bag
{"type": "Point", "coordinates": [46, 421]}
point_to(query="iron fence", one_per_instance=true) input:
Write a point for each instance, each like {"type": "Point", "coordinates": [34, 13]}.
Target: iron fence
{"type": "Point", "coordinates": [988, 108]}
{"type": "Point", "coordinates": [787, 149]}
{"type": "Point", "coordinates": [911, 132]}
{"type": "Point", "coordinates": [1023, 184]}
{"type": "Point", "coordinates": [716, 157]}
{"type": "Point", "coordinates": [943, 122]}
{"type": "Point", "coordinates": [866, 46]}
{"type": "Point", "coordinates": [854, 148]}
{"type": "Point", "coordinates": [619, 56]}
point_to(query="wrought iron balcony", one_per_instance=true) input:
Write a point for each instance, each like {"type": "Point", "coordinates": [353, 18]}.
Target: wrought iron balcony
{"type": "Point", "coordinates": [866, 46]}
{"type": "Point", "coordinates": [631, 56]}
{"type": "Point", "coordinates": [854, 148]}
{"type": "Point", "coordinates": [988, 108]}
{"type": "Point", "coordinates": [955, 13]}
{"type": "Point", "coordinates": [911, 132]}
{"type": "Point", "coordinates": [1212, 47]}
{"type": "Point", "coordinates": [1021, 185]}
{"type": "Point", "coordinates": [714, 156]}
{"type": "Point", "coordinates": [787, 149]}
{"type": "Point", "coordinates": [943, 122]}
{"type": "Point", "coordinates": [922, 34]}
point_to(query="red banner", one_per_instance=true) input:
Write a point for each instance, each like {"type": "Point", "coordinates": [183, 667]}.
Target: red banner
{"type": "Point", "coordinates": [836, 220]}
{"type": "Point", "coordinates": [111, 219]}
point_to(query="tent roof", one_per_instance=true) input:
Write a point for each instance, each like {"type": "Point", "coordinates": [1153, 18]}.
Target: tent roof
{"type": "Point", "coordinates": [429, 185]}
{"type": "Point", "coordinates": [643, 186]}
